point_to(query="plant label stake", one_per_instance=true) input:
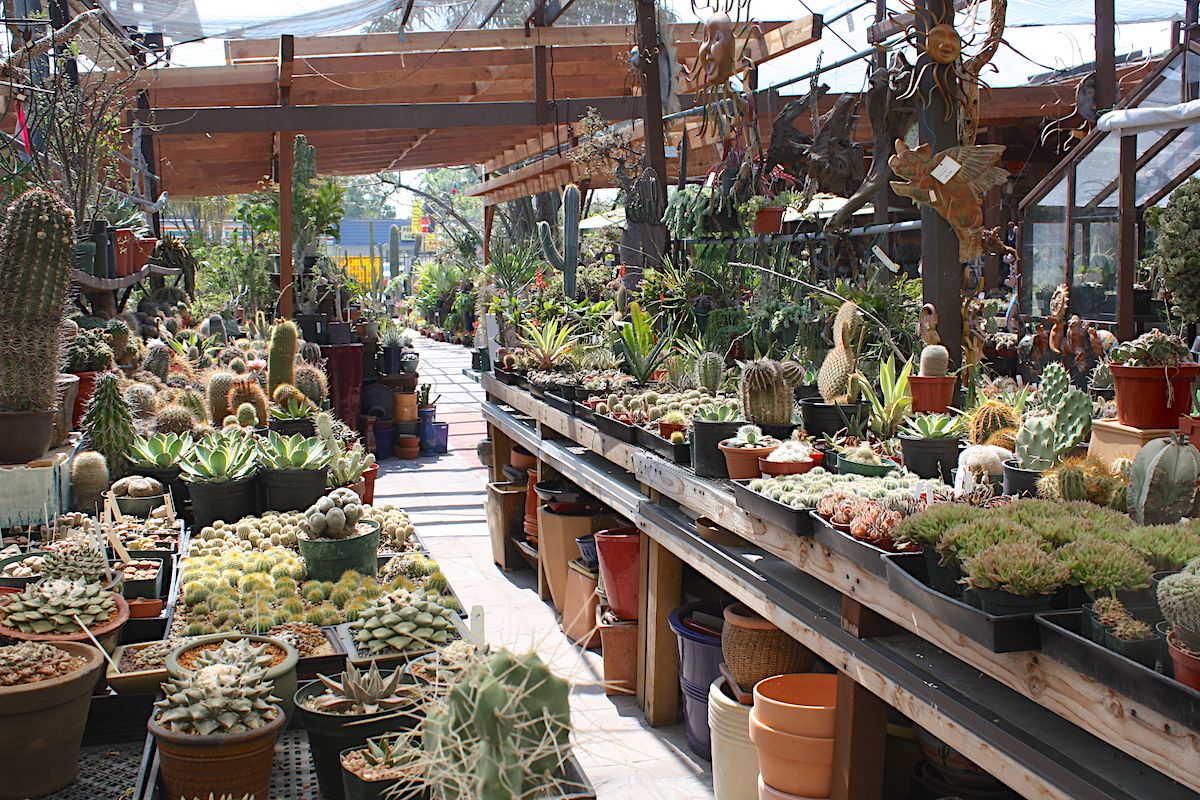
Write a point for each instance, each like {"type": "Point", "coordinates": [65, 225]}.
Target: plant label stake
{"type": "Point", "coordinates": [103, 652]}
{"type": "Point", "coordinates": [477, 626]}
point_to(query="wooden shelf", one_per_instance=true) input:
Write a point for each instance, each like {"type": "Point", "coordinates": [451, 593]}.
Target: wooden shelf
{"type": "Point", "coordinates": [109, 284]}
{"type": "Point", "coordinates": [1042, 728]}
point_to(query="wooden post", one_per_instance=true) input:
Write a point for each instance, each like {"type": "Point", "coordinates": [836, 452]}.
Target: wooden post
{"type": "Point", "coordinates": [860, 738]}
{"type": "Point", "coordinates": [941, 268]}
{"type": "Point", "coordinates": [654, 137]}
{"type": "Point", "coordinates": [489, 219]}
{"type": "Point", "coordinates": [1126, 236]}
{"type": "Point", "coordinates": [286, 162]}
{"type": "Point", "coordinates": [1106, 55]}
{"type": "Point", "coordinates": [658, 659]}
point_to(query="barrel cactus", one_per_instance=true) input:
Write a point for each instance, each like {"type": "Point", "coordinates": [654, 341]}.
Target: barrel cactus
{"type": "Point", "coordinates": [935, 361]}
{"type": "Point", "coordinates": [218, 698]}
{"type": "Point", "coordinates": [766, 390]}
{"type": "Point", "coordinates": [403, 620]}
{"type": "Point", "coordinates": [710, 367]}
{"type": "Point", "coordinates": [1179, 599]}
{"type": "Point", "coordinates": [158, 361]}
{"type": "Point", "coordinates": [59, 607]}
{"type": "Point", "coordinates": [217, 390]}
{"type": "Point", "coordinates": [247, 389]}
{"type": "Point", "coordinates": [89, 479]}
{"type": "Point", "coordinates": [988, 418]}
{"type": "Point", "coordinates": [174, 418]}
{"type": "Point", "coordinates": [1164, 482]}
{"type": "Point", "coordinates": [311, 380]}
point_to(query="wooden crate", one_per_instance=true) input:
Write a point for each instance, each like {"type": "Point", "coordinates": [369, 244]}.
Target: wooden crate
{"type": "Point", "coordinates": [505, 513]}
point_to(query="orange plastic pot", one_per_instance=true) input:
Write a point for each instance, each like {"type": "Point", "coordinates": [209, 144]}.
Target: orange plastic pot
{"type": "Point", "coordinates": [1187, 666]}
{"type": "Point", "coordinates": [931, 394]}
{"type": "Point", "coordinates": [742, 462]}
{"type": "Point", "coordinates": [619, 550]}
{"type": "Point", "coordinates": [799, 765]}
{"type": "Point", "coordinates": [1143, 399]}
{"type": "Point", "coordinates": [769, 219]}
{"type": "Point", "coordinates": [803, 704]}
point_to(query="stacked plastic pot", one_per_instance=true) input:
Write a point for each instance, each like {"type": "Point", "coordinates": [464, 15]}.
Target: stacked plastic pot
{"type": "Point", "coordinates": [618, 551]}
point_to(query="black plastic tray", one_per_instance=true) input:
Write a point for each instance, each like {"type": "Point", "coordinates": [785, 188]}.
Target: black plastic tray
{"type": "Point", "coordinates": [616, 429]}
{"type": "Point", "coordinates": [792, 520]}
{"type": "Point", "coordinates": [560, 404]}
{"type": "Point", "coordinates": [1063, 642]}
{"type": "Point", "coordinates": [1005, 634]}
{"type": "Point", "coordinates": [679, 453]}
{"type": "Point", "coordinates": [585, 413]}
{"type": "Point", "coordinates": [508, 378]}
{"type": "Point", "coordinates": [535, 390]}
{"type": "Point", "coordinates": [861, 553]}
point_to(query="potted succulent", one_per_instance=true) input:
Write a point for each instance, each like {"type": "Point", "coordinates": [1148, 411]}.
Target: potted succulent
{"type": "Point", "coordinates": [1042, 440]}
{"type": "Point", "coordinates": [158, 457]}
{"type": "Point", "coordinates": [1179, 598]}
{"type": "Point", "coordinates": [389, 765]}
{"type": "Point", "coordinates": [1014, 577]}
{"type": "Point", "coordinates": [88, 356]}
{"type": "Point", "coordinates": [1100, 567]}
{"type": "Point", "coordinates": [342, 714]}
{"type": "Point", "coordinates": [929, 444]}
{"type": "Point", "coordinates": [45, 693]}
{"type": "Point", "coordinates": [335, 537]}
{"type": "Point", "coordinates": [215, 730]}
{"type": "Point", "coordinates": [713, 424]}
{"type": "Point", "coordinates": [838, 407]}
{"type": "Point", "coordinates": [862, 460]}
{"type": "Point", "coordinates": [220, 473]}
{"type": "Point", "coordinates": [794, 457]}
{"type": "Point", "coordinates": [744, 449]}
{"type": "Point", "coordinates": [293, 472]}
{"type": "Point", "coordinates": [276, 656]}
{"type": "Point", "coordinates": [137, 495]}
{"type": "Point", "coordinates": [764, 214]}
{"type": "Point", "coordinates": [1134, 639]}
{"type": "Point", "coordinates": [932, 388]}
{"type": "Point", "coordinates": [291, 412]}
{"type": "Point", "coordinates": [391, 349]}
{"type": "Point", "coordinates": [1153, 376]}
{"type": "Point", "coordinates": [672, 422]}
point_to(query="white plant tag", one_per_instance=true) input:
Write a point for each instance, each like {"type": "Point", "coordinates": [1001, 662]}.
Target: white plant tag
{"type": "Point", "coordinates": [932, 196]}
{"type": "Point", "coordinates": [882, 256]}
{"type": "Point", "coordinates": [946, 170]}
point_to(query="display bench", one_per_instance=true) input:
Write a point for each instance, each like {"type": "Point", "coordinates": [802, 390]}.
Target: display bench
{"type": "Point", "coordinates": [1042, 728]}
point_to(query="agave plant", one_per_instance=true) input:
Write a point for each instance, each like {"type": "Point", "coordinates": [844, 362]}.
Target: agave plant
{"type": "Point", "coordinates": [160, 451]}
{"type": "Point", "coordinates": [718, 412]}
{"type": "Point", "coordinates": [220, 458]}
{"type": "Point", "coordinates": [293, 409]}
{"type": "Point", "coordinates": [891, 405]}
{"type": "Point", "coordinates": [932, 426]}
{"type": "Point", "coordinates": [548, 344]}
{"type": "Point", "coordinates": [297, 452]}
{"type": "Point", "coordinates": [642, 353]}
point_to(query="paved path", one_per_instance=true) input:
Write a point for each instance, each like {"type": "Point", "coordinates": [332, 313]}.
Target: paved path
{"type": "Point", "coordinates": [621, 755]}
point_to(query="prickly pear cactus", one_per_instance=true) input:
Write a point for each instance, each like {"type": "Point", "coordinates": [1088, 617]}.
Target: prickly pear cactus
{"type": "Point", "coordinates": [1163, 482]}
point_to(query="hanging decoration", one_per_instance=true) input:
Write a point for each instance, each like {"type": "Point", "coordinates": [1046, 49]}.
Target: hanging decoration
{"type": "Point", "coordinates": [724, 37]}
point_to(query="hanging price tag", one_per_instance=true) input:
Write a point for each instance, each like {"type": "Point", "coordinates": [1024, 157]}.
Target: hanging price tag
{"type": "Point", "coordinates": [946, 170]}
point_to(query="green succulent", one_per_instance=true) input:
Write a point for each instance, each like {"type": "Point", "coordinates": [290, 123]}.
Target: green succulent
{"type": "Point", "coordinates": [218, 698]}
{"type": "Point", "coordinates": [297, 452]}
{"type": "Point", "coordinates": [932, 426]}
{"type": "Point", "coordinates": [1019, 568]}
{"type": "Point", "coordinates": [1152, 349]}
{"type": "Point", "coordinates": [718, 412]}
{"type": "Point", "coordinates": [220, 458]}
{"type": "Point", "coordinates": [160, 451]}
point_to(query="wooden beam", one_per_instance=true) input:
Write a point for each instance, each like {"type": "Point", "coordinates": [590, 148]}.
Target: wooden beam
{"type": "Point", "coordinates": [658, 658]}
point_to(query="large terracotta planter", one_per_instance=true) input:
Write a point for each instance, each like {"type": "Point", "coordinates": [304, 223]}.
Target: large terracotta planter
{"type": "Point", "coordinates": [107, 634]}
{"type": "Point", "coordinates": [802, 704]}
{"type": "Point", "coordinates": [931, 394]}
{"type": "Point", "coordinates": [742, 462]}
{"type": "Point", "coordinates": [41, 727]}
{"type": "Point", "coordinates": [234, 764]}
{"type": "Point", "coordinates": [1143, 399]}
{"type": "Point", "coordinates": [283, 674]}
{"type": "Point", "coordinates": [799, 765]}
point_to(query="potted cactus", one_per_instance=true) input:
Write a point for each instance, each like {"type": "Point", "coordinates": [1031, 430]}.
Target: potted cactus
{"type": "Point", "coordinates": [276, 656]}
{"type": "Point", "coordinates": [838, 406]}
{"type": "Point", "coordinates": [59, 609]}
{"type": "Point", "coordinates": [1153, 376]}
{"type": "Point", "coordinates": [1014, 577]}
{"type": "Point", "coordinates": [291, 412]}
{"type": "Point", "coordinates": [743, 451]}
{"type": "Point", "coordinates": [794, 457]}
{"type": "Point", "coordinates": [929, 444]}
{"type": "Point", "coordinates": [1134, 639]}
{"type": "Point", "coordinates": [1179, 599]}
{"type": "Point", "coordinates": [215, 730]}
{"type": "Point", "coordinates": [862, 460]}
{"type": "Point", "coordinates": [335, 537]}
{"type": "Point", "coordinates": [342, 714]}
{"type": "Point", "coordinates": [713, 424]}
{"type": "Point", "coordinates": [767, 394]}
{"type": "Point", "coordinates": [932, 388]}
{"type": "Point", "coordinates": [220, 473]}
{"type": "Point", "coordinates": [1043, 440]}
{"type": "Point", "coordinates": [399, 625]}
{"type": "Point", "coordinates": [45, 693]}
{"type": "Point", "coordinates": [293, 472]}
{"type": "Point", "coordinates": [36, 254]}
{"type": "Point", "coordinates": [1164, 482]}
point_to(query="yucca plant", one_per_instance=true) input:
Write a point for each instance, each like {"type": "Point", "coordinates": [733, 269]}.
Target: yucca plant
{"type": "Point", "coordinates": [221, 457]}
{"type": "Point", "coordinates": [297, 452]}
{"type": "Point", "coordinates": [891, 405]}
{"type": "Point", "coordinates": [642, 352]}
{"type": "Point", "coordinates": [160, 451]}
{"type": "Point", "coordinates": [548, 344]}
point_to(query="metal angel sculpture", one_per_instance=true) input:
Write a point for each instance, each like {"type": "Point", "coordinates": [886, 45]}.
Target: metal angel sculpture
{"type": "Point", "coordinates": [952, 182]}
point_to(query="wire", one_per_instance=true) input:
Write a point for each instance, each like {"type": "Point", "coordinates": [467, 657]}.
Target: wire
{"type": "Point", "coordinates": [826, 27]}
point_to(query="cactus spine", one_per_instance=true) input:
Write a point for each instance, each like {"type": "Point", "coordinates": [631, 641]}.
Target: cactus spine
{"type": "Point", "coordinates": [281, 359]}
{"type": "Point", "coordinates": [1163, 482]}
{"type": "Point", "coordinates": [709, 369]}
{"type": "Point", "coordinates": [174, 418]}
{"type": "Point", "coordinates": [219, 384]}
{"type": "Point", "coordinates": [36, 253]}
{"type": "Point", "coordinates": [568, 260]}
{"type": "Point", "coordinates": [89, 480]}
{"type": "Point", "coordinates": [109, 424]}
{"type": "Point", "coordinates": [834, 378]}
{"type": "Point", "coordinates": [766, 391]}
{"type": "Point", "coordinates": [935, 361]}
{"type": "Point", "coordinates": [311, 380]}
{"type": "Point", "coordinates": [988, 418]}
{"type": "Point", "coordinates": [158, 361]}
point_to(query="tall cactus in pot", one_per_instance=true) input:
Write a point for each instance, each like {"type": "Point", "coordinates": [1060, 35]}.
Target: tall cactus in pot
{"type": "Point", "coordinates": [766, 390]}
{"type": "Point", "coordinates": [568, 260]}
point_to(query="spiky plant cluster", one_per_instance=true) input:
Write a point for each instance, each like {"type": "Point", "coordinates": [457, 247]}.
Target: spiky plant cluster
{"type": "Point", "coordinates": [1088, 479]}
{"type": "Point", "coordinates": [59, 607]}
{"type": "Point", "coordinates": [834, 378]}
{"type": "Point", "coordinates": [363, 692]}
{"type": "Point", "coordinates": [36, 253]}
{"type": "Point", "coordinates": [804, 490]}
{"type": "Point", "coordinates": [766, 390]}
{"type": "Point", "coordinates": [117, 332]}
{"type": "Point", "coordinates": [403, 620]}
{"type": "Point", "coordinates": [174, 418]}
{"type": "Point", "coordinates": [310, 379]}
{"type": "Point", "coordinates": [141, 399]}
{"type": "Point", "coordinates": [109, 424]}
{"type": "Point", "coordinates": [30, 662]}
{"type": "Point", "coordinates": [334, 516]}
{"type": "Point", "coordinates": [1179, 599]}
{"type": "Point", "coordinates": [220, 698]}
{"type": "Point", "coordinates": [1016, 567]}
{"type": "Point", "coordinates": [1102, 566]}
{"type": "Point", "coordinates": [247, 389]}
{"type": "Point", "coordinates": [158, 361]}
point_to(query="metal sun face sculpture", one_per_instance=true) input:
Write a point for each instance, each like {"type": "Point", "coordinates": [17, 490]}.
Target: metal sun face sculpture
{"type": "Point", "coordinates": [716, 59]}
{"type": "Point", "coordinates": [720, 57]}
{"type": "Point", "coordinates": [943, 44]}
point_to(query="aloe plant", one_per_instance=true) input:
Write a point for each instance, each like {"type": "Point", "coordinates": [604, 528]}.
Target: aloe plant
{"type": "Point", "coordinates": [548, 344]}
{"type": "Point", "coordinates": [160, 451]}
{"type": "Point", "coordinates": [221, 458]}
{"type": "Point", "coordinates": [642, 352]}
{"type": "Point", "coordinates": [297, 452]}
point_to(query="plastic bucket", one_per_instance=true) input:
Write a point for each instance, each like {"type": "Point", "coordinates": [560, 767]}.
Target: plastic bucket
{"type": "Point", "coordinates": [699, 653]}
{"type": "Point", "coordinates": [435, 437]}
{"type": "Point", "coordinates": [695, 719]}
{"type": "Point", "coordinates": [618, 551]}
{"type": "Point", "coordinates": [732, 750]}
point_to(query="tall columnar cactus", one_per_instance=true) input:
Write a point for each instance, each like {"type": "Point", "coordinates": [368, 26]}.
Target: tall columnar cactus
{"type": "Point", "coordinates": [247, 389]}
{"type": "Point", "coordinates": [568, 260]}
{"type": "Point", "coordinates": [501, 732]}
{"type": "Point", "coordinates": [935, 361]}
{"type": "Point", "coordinates": [393, 252]}
{"type": "Point", "coordinates": [158, 361]}
{"type": "Point", "coordinates": [281, 357]}
{"type": "Point", "coordinates": [36, 254]}
{"type": "Point", "coordinates": [219, 384]}
{"type": "Point", "coordinates": [89, 480]}
{"type": "Point", "coordinates": [834, 379]}
{"type": "Point", "coordinates": [1164, 482]}
{"type": "Point", "coordinates": [766, 391]}
{"type": "Point", "coordinates": [710, 367]}
{"type": "Point", "coordinates": [109, 424]}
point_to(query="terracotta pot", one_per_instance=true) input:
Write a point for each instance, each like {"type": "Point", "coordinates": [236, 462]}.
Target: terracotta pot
{"type": "Point", "coordinates": [107, 634]}
{"type": "Point", "coordinates": [368, 480]}
{"type": "Point", "coordinates": [768, 219]}
{"type": "Point", "coordinates": [790, 467]}
{"type": "Point", "coordinates": [665, 429]}
{"type": "Point", "coordinates": [1142, 396]}
{"type": "Point", "coordinates": [41, 727]}
{"type": "Point", "coordinates": [1187, 666]}
{"type": "Point", "coordinates": [124, 239]}
{"type": "Point", "coordinates": [800, 765]}
{"type": "Point", "coordinates": [803, 704]}
{"type": "Point", "coordinates": [25, 435]}
{"type": "Point", "coordinates": [144, 607]}
{"type": "Point", "coordinates": [742, 462]}
{"type": "Point", "coordinates": [143, 248]}
{"type": "Point", "coordinates": [522, 459]}
{"type": "Point", "coordinates": [236, 764]}
{"type": "Point", "coordinates": [931, 394]}
{"type": "Point", "coordinates": [87, 387]}
{"type": "Point", "coordinates": [1190, 427]}
{"type": "Point", "coordinates": [407, 446]}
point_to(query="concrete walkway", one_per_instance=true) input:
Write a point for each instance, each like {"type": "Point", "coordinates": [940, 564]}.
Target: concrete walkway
{"type": "Point", "coordinates": [620, 754]}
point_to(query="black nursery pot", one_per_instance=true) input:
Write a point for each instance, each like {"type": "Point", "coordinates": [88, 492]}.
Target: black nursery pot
{"type": "Point", "coordinates": [822, 418]}
{"type": "Point", "coordinates": [290, 489]}
{"type": "Point", "coordinates": [930, 458]}
{"type": "Point", "coordinates": [1020, 482]}
{"type": "Point", "coordinates": [290, 427]}
{"type": "Point", "coordinates": [229, 501]}
{"type": "Point", "coordinates": [169, 478]}
{"type": "Point", "coordinates": [707, 458]}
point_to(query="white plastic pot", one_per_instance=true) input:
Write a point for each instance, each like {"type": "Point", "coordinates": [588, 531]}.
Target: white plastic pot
{"type": "Point", "coordinates": [734, 756]}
